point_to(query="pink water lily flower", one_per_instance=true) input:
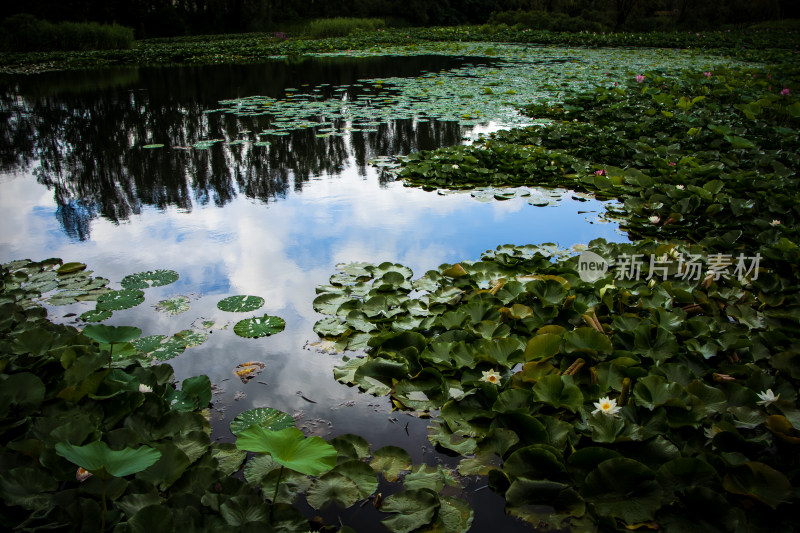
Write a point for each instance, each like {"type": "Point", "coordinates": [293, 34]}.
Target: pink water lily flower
{"type": "Point", "coordinates": [785, 92]}
{"type": "Point", "coordinates": [707, 74]}
{"type": "Point", "coordinates": [639, 78]}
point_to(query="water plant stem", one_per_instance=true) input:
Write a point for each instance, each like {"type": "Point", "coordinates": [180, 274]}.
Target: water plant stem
{"type": "Point", "coordinates": [275, 494]}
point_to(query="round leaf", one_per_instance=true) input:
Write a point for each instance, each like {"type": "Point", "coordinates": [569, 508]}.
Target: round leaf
{"type": "Point", "coordinates": [151, 278]}
{"type": "Point", "coordinates": [240, 303]}
{"type": "Point", "coordinates": [264, 417]}
{"type": "Point", "coordinates": [259, 327]}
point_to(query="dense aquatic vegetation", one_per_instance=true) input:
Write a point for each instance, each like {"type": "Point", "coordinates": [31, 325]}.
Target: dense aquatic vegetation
{"type": "Point", "coordinates": [642, 385]}
{"type": "Point", "coordinates": [651, 384]}
{"type": "Point", "coordinates": [255, 47]}
{"type": "Point", "coordinates": [97, 435]}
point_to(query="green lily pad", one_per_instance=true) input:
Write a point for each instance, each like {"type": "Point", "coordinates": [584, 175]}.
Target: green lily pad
{"type": "Point", "coordinates": [413, 509]}
{"type": "Point", "coordinates": [151, 278]}
{"type": "Point", "coordinates": [332, 488]}
{"type": "Point", "coordinates": [118, 300]}
{"type": "Point", "coordinates": [264, 417]}
{"type": "Point", "coordinates": [391, 461]}
{"type": "Point", "coordinates": [240, 303]}
{"type": "Point", "coordinates": [95, 316]}
{"type": "Point", "coordinates": [174, 305]}
{"type": "Point", "coordinates": [259, 327]}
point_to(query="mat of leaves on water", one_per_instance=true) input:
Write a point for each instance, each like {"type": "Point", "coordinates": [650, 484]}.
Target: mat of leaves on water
{"type": "Point", "coordinates": [469, 95]}
{"type": "Point", "coordinates": [663, 390]}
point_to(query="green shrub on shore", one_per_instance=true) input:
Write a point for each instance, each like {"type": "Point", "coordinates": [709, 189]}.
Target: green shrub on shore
{"type": "Point", "coordinates": [26, 33]}
{"type": "Point", "coordinates": [342, 26]}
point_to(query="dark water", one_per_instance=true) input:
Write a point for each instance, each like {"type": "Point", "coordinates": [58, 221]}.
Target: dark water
{"type": "Point", "coordinates": [240, 219]}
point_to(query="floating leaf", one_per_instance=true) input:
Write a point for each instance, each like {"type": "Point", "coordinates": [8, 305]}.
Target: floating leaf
{"type": "Point", "coordinates": [118, 300]}
{"type": "Point", "coordinates": [264, 417]}
{"type": "Point", "coordinates": [259, 327]}
{"type": "Point", "coordinates": [240, 303]}
{"type": "Point", "coordinates": [151, 278]}
{"type": "Point", "coordinates": [391, 461]}
{"type": "Point", "coordinates": [413, 509]}
{"type": "Point", "coordinates": [174, 305]}
{"type": "Point", "coordinates": [95, 316]}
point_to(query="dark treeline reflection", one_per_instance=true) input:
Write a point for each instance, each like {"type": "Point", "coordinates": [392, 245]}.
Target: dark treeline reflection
{"type": "Point", "coordinates": [81, 134]}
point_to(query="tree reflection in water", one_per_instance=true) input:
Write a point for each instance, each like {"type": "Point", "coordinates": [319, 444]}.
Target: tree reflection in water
{"type": "Point", "coordinates": [81, 134]}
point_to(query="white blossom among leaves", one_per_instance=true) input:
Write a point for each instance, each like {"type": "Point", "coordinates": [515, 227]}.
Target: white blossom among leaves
{"type": "Point", "coordinates": [606, 406]}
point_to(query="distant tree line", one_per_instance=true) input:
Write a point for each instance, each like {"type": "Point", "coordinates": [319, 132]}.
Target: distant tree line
{"type": "Point", "coordinates": [156, 18]}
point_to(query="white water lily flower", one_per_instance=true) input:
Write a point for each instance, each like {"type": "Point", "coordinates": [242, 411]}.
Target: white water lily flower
{"type": "Point", "coordinates": [681, 187]}
{"type": "Point", "coordinates": [490, 376]}
{"type": "Point", "coordinates": [145, 388]}
{"type": "Point", "coordinates": [767, 397]}
{"type": "Point", "coordinates": [654, 219]}
{"type": "Point", "coordinates": [606, 406]}
{"type": "Point", "coordinates": [775, 222]}
{"type": "Point", "coordinates": [455, 166]}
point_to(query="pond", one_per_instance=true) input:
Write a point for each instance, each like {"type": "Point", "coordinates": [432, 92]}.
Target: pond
{"type": "Point", "coordinates": [137, 169]}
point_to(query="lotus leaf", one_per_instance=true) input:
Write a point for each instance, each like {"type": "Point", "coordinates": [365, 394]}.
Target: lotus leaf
{"type": "Point", "coordinates": [240, 304]}
{"type": "Point", "coordinates": [455, 515]}
{"type": "Point", "coordinates": [332, 488]}
{"type": "Point", "coordinates": [151, 278]}
{"type": "Point", "coordinates": [111, 334]}
{"type": "Point", "coordinates": [245, 509]}
{"type": "Point", "coordinates": [290, 485]}
{"type": "Point", "coordinates": [27, 487]}
{"type": "Point", "coordinates": [95, 316]}
{"type": "Point", "coordinates": [359, 473]}
{"type": "Point", "coordinates": [307, 455]}
{"type": "Point", "coordinates": [102, 461]}
{"type": "Point", "coordinates": [413, 509]}
{"type": "Point", "coordinates": [174, 305]}
{"type": "Point", "coordinates": [558, 391]}
{"type": "Point", "coordinates": [391, 461]}
{"type": "Point", "coordinates": [259, 327]}
{"type": "Point", "coordinates": [229, 459]}
{"type": "Point", "coordinates": [623, 488]}
{"type": "Point", "coordinates": [118, 300]}
{"type": "Point", "coordinates": [428, 477]}
{"type": "Point", "coordinates": [351, 446]}
{"type": "Point", "coordinates": [264, 417]}
{"type": "Point", "coordinates": [760, 481]}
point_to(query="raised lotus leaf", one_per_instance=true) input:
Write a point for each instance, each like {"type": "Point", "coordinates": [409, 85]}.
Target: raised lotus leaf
{"type": "Point", "coordinates": [308, 455]}
{"type": "Point", "coordinates": [102, 461]}
{"type": "Point", "coordinates": [240, 303]}
{"type": "Point", "coordinates": [151, 278]}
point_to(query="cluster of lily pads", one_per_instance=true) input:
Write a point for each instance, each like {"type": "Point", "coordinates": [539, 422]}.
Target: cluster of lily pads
{"type": "Point", "coordinates": [59, 284]}
{"type": "Point", "coordinates": [255, 47]}
{"type": "Point", "coordinates": [641, 396]}
{"type": "Point", "coordinates": [96, 437]}
{"type": "Point", "coordinates": [469, 95]}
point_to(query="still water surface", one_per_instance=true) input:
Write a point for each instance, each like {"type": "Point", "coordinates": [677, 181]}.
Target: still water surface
{"type": "Point", "coordinates": [271, 221]}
